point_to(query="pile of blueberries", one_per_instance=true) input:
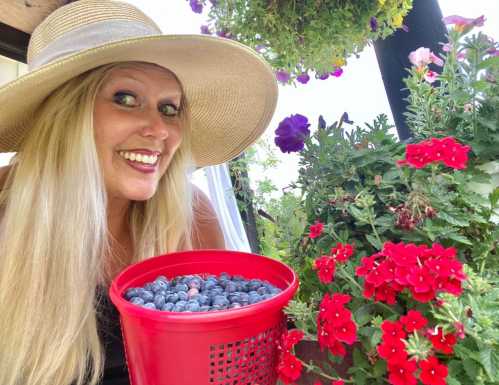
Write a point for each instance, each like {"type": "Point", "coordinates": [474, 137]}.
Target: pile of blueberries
{"type": "Point", "coordinates": [193, 293]}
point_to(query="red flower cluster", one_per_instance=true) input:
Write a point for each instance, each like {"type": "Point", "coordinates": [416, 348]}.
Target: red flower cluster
{"type": "Point", "coordinates": [289, 367]}
{"type": "Point", "coordinates": [401, 368]}
{"type": "Point", "coordinates": [423, 271]}
{"type": "Point", "coordinates": [316, 229]}
{"type": "Point", "coordinates": [326, 265]}
{"type": "Point", "coordinates": [444, 343]}
{"type": "Point", "coordinates": [335, 324]}
{"type": "Point", "coordinates": [446, 150]}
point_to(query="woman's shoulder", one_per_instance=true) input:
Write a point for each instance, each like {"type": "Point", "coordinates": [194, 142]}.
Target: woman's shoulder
{"type": "Point", "coordinates": [206, 230]}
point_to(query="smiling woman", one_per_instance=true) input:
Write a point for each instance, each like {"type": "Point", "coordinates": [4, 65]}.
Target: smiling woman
{"type": "Point", "coordinates": [107, 125]}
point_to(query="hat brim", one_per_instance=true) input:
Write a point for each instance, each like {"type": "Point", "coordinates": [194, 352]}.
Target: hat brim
{"type": "Point", "coordinates": [232, 92]}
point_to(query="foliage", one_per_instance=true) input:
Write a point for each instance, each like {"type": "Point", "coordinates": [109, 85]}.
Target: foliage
{"type": "Point", "coordinates": [464, 104]}
{"type": "Point", "coordinates": [308, 35]}
{"type": "Point", "coordinates": [353, 181]}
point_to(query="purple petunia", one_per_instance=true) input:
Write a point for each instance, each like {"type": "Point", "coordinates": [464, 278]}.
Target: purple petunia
{"type": "Point", "coordinates": [205, 30]}
{"type": "Point", "coordinates": [196, 6]}
{"type": "Point", "coordinates": [282, 76]}
{"type": "Point", "coordinates": [345, 118]}
{"type": "Point", "coordinates": [292, 132]}
{"type": "Point", "coordinates": [303, 78]}
{"type": "Point", "coordinates": [337, 72]}
{"type": "Point", "coordinates": [374, 24]}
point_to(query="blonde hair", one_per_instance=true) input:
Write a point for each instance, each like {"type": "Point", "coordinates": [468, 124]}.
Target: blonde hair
{"type": "Point", "coordinates": [54, 236]}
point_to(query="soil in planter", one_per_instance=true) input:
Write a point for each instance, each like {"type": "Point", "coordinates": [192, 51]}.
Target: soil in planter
{"type": "Point", "coordinates": [310, 350]}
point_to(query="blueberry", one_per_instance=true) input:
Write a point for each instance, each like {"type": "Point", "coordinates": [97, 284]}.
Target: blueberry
{"type": "Point", "coordinates": [254, 284]}
{"type": "Point", "coordinates": [231, 287]}
{"type": "Point", "coordinates": [159, 301]}
{"type": "Point", "coordinates": [244, 298]}
{"type": "Point", "coordinates": [224, 275]}
{"type": "Point", "coordinates": [168, 306]}
{"type": "Point", "coordinates": [192, 306]}
{"type": "Point", "coordinates": [156, 287]}
{"type": "Point", "coordinates": [183, 296]}
{"type": "Point", "coordinates": [149, 305]}
{"type": "Point", "coordinates": [148, 286]}
{"type": "Point", "coordinates": [179, 306]}
{"type": "Point", "coordinates": [205, 308]}
{"type": "Point", "coordinates": [132, 292]}
{"type": "Point", "coordinates": [137, 301]}
{"type": "Point", "coordinates": [220, 300]}
{"type": "Point", "coordinates": [254, 299]}
{"type": "Point", "coordinates": [147, 296]}
{"type": "Point", "coordinates": [194, 283]}
{"type": "Point", "coordinates": [262, 290]}
{"type": "Point", "coordinates": [162, 283]}
{"type": "Point", "coordinates": [172, 298]}
{"type": "Point", "coordinates": [209, 284]}
{"type": "Point", "coordinates": [181, 287]}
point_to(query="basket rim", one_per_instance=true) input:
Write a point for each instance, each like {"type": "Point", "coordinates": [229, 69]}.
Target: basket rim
{"type": "Point", "coordinates": [275, 303]}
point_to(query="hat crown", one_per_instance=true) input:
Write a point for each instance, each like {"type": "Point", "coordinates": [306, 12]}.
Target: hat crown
{"type": "Point", "coordinates": [80, 14]}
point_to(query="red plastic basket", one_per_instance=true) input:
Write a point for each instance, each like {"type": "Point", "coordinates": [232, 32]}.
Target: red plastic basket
{"type": "Point", "coordinates": [227, 347]}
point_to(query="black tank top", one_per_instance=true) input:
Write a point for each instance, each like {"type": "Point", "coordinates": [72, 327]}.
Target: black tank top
{"type": "Point", "coordinates": [115, 372]}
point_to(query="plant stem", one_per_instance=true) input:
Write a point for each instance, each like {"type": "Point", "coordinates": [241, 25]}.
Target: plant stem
{"type": "Point", "coordinates": [319, 371]}
{"type": "Point", "coordinates": [371, 222]}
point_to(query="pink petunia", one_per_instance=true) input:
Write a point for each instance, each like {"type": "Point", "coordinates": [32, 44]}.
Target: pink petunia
{"type": "Point", "coordinates": [430, 76]}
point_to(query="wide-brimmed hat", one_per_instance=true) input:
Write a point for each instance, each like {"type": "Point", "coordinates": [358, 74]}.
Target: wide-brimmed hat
{"type": "Point", "coordinates": [230, 89]}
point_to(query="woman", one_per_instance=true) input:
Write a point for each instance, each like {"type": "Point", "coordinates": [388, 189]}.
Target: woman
{"type": "Point", "coordinates": [107, 125]}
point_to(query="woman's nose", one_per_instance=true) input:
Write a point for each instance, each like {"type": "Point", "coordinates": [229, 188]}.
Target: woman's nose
{"type": "Point", "coordinates": [155, 126]}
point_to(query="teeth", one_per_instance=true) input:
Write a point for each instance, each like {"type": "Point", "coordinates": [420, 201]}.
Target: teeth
{"type": "Point", "coordinates": [147, 159]}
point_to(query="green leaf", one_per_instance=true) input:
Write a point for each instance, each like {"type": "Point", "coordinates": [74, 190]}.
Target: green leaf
{"type": "Point", "coordinates": [489, 62]}
{"type": "Point", "coordinates": [379, 368]}
{"type": "Point", "coordinates": [359, 360]}
{"type": "Point", "coordinates": [362, 315]}
{"type": "Point", "coordinates": [494, 197]}
{"type": "Point", "coordinates": [487, 361]}
{"type": "Point", "coordinates": [452, 219]}
{"type": "Point", "coordinates": [480, 85]}
{"type": "Point", "coordinates": [452, 381]}
{"type": "Point", "coordinates": [471, 368]}
{"type": "Point", "coordinates": [374, 241]}
{"type": "Point", "coordinates": [459, 238]}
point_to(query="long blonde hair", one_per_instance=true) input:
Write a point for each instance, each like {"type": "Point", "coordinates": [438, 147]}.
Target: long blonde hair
{"type": "Point", "coordinates": [54, 234]}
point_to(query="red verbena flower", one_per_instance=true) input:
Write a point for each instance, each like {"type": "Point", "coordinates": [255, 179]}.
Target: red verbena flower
{"type": "Point", "coordinates": [433, 372]}
{"type": "Point", "coordinates": [325, 266]}
{"type": "Point", "coordinates": [413, 321]}
{"type": "Point", "coordinates": [289, 339]}
{"type": "Point", "coordinates": [402, 372]}
{"type": "Point", "coordinates": [443, 343]}
{"type": "Point", "coordinates": [338, 382]}
{"type": "Point", "coordinates": [316, 229]}
{"type": "Point", "coordinates": [342, 252]}
{"type": "Point", "coordinates": [289, 368]}
{"type": "Point", "coordinates": [392, 349]}
{"type": "Point", "coordinates": [392, 329]}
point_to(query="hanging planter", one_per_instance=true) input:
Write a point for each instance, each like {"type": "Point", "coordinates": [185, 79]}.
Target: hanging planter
{"type": "Point", "coordinates": [307, 36]}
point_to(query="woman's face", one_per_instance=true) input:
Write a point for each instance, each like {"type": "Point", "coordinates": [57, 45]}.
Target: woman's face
{"type": "Point", "coordinates": [137, 128]}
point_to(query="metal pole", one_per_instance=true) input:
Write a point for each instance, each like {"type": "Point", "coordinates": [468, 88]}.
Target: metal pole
{"type": "Point", "coordinates": [425, 30]}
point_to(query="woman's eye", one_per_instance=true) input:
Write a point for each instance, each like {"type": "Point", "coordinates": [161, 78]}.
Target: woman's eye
{"type": "Point", "coordinates": [168, 109]}
{"type": "Point", "coordinates": [125, 99]}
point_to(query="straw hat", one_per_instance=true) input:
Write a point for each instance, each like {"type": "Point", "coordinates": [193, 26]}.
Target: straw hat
{"type": "Point", "coordinates": [231, 90]}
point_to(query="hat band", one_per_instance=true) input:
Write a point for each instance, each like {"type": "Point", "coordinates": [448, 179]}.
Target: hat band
{"type": "Point", "coordinates": [91, 36]}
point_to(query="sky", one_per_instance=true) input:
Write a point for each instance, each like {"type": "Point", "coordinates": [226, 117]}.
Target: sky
{"type": "Point", "coordinates": [359, 91]}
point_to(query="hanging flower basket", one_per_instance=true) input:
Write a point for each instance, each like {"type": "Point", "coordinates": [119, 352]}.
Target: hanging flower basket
{"type": "Point", "coordinates": [302, 36]}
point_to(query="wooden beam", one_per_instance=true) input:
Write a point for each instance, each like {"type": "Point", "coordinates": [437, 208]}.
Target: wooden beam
{"type": "Point", "coordinates": [25, 15]}
{"type": "Point", "coordinates": [13, 43]}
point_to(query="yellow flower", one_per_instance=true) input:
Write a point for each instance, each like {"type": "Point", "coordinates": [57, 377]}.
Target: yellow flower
{"type": "Point", "coordinates": [397, 20]}
{"type": "Point", "coordinates": [339, 62]}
